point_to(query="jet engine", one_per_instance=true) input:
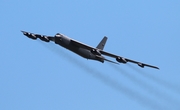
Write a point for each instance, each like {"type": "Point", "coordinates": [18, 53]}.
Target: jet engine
{"type": "Point", "coordinates": [32, 36]}
{"type": "Point", "coordinates": [35, 36]}
{"type": "Point", "coordinates": [96, 52]}
{"type": "Point", "coordinates": [141, 65]}
{"type": "Point", "coordinates": [43, 38]}
{"type": "Point", "coordinates": [121, 60]}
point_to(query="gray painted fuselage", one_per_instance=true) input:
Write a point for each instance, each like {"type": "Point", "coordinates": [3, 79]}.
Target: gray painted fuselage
{"type": "Point", "coordinates": [66, 43]}
{"type": "Point", "coordinates": [84, 50]}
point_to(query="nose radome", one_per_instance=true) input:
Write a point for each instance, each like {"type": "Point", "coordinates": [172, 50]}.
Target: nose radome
{"type": "Point", "coordinates": [58, 35]}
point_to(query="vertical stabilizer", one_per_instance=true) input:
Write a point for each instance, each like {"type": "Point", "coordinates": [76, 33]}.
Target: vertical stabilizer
{"type": "Point", "coordinates": [102, 43]}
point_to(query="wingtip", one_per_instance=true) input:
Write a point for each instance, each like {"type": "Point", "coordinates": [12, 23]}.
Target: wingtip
{"type": "Point", "coordinates": [23, 32]}
{"type": "Point", "coordinates": [158, 68]}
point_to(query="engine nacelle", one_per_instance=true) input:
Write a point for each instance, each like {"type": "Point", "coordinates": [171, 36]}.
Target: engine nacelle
{"type": "Point", "coordinates": [43, 38]}
{"type": "Point", "coordinates": [62, 40]}
{"type": "Point", "coordinates": [141, 65]}
{"type": "Point", "coordinates": [95, 52]}
{"type": "Point", "coordinates": [121, 60]}
{"type": "Point", "coordinates": [32, 36]}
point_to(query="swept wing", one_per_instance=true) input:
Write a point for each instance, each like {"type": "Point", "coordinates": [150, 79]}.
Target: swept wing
{"type": "Point", "coordinates": [118, 58]}
{"type": "Point", "coordinates": [82, 45]}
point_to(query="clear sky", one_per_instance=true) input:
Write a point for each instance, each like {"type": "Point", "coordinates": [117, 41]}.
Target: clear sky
{"type": "Point", "coordinates": [36, 75]}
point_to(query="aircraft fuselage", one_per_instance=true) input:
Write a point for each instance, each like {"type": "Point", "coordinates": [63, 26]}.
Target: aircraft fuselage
{"type": "Point", "coordinates": [85, 51]}
{"type": "Point", "coordinates": [66, 43]}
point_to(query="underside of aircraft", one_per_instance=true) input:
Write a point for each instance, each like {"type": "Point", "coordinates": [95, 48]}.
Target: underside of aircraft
{"type": "Point", "coordinates": [86, 51]}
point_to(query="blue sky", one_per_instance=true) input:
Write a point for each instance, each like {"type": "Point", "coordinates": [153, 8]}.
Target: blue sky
{"type": "Point", "coordinates": [37, 75]}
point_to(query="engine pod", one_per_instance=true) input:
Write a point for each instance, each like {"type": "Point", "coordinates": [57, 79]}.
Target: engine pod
{"type": "Point", "coordinates": [44, 38]}
{"type": "Point", "coordinates": [30, 35]}
{"type": "Point", "coordinates": [141, 65]}
{"type": "Point", "coordinates": [121, 60]}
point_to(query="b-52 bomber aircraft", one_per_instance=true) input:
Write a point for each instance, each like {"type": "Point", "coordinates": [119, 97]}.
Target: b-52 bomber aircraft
{"type": "Point", "coordinates": [84, 50]}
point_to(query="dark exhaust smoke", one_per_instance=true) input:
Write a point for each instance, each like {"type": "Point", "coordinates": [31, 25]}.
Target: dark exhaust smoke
{"type": "Point", "coordinates": [162, 82]}
{"type": "Point", "coordinates": [144, 101]}
{"type": "Point", "coordinates": [149, 88]}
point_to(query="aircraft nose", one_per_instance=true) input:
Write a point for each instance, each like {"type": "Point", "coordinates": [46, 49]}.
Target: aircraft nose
{"type": "Point", "coordinates": [58, 35]}
{"type": "Point", "coordinates": [58, 38]}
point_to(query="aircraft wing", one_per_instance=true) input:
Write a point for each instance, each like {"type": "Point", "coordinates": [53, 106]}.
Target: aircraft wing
{"type": "Point", "coordinates": [118, 58]}
{"type": "Point", "coordinates": [124, 60]}
{"type": "Point", "coordinates": [35, 36]}
{"type": "Point", "coordinates": [79, 44]}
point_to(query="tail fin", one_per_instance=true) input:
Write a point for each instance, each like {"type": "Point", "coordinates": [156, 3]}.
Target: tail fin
{"type": "Point", "coordinates": [102, 43]}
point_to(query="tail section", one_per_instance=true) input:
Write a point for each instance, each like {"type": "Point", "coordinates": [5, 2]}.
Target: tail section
{"type": "Point", "coordinates": [102, 43]}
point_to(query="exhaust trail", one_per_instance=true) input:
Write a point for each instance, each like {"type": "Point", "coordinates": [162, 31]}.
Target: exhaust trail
{"type": "Point", "coordinates": [164, 83]}
{"type": "Point", "coordinates": [150, 89]}
{"type": "Point", "coordinates": [144, 101]}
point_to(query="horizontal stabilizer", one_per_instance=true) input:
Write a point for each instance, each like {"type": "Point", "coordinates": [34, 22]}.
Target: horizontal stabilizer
{"type": "Point", "coordinates": [111, 61]}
